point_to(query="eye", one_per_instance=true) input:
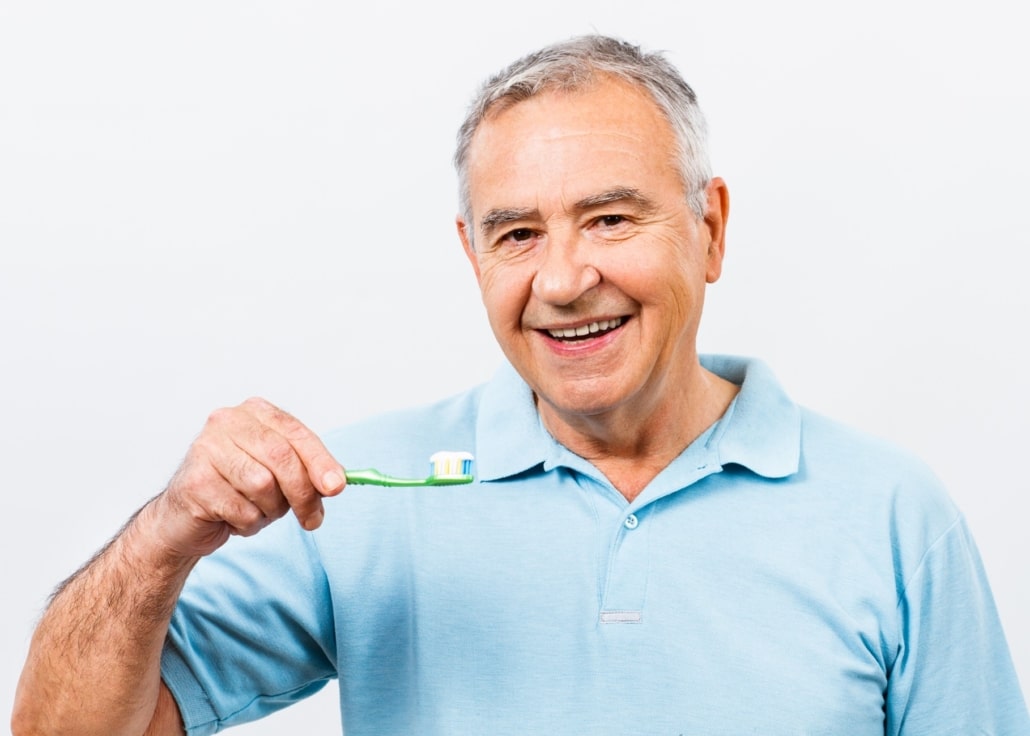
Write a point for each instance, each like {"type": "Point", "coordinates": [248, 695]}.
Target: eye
{"type": "Point", "coordinates": [611, 220]}
{"type": "Point", "coordinates": [518, 236]}
{"type": "Point", "coordinates": [611, 228]}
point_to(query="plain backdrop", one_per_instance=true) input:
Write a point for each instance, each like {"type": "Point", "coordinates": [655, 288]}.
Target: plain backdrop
{"type": "Point", "coordinates": [204, 201]}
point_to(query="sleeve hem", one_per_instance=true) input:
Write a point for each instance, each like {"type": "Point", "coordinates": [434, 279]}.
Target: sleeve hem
{"type": "Point", "coordinates": [198, 715]}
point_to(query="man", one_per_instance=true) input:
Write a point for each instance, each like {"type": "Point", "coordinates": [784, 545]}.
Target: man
{"type": "Point", "coordinates": [656, 543]}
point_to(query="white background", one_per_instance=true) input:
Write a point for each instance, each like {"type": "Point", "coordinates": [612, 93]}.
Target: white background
{"type": "Point", "coordinates": [204, 201]}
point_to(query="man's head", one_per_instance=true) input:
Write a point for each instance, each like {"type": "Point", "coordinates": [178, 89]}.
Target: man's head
{"type": "Point", "coordinates": [591, 250]}
{"type": "Point", "coordinates": [576, 64]}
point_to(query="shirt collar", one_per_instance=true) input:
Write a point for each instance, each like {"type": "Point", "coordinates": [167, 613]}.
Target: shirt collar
{"type": "Point", "coordinates": [510, 438]}
{"type": "Point", "coordinates": [761, 431]}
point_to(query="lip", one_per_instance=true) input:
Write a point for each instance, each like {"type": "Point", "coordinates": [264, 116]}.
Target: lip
{"type": "Point", "coordinates": [585, 328]}
{"type": "Point", "coordinates": [585, 346]}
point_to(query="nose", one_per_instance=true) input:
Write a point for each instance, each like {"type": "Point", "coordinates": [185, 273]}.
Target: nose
{"type": "Point", "coordinates": [564, 273]}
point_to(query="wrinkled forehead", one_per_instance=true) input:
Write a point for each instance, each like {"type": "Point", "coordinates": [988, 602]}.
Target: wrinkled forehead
{"type": "Point", "coordinates": [570, 144]}
{"type": "Point", "coordinates": [601, 98]}
{"type": "Point", "coordinates": [571, 84]}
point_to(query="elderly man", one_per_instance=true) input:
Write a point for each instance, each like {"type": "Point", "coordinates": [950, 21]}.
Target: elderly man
{"type": "Point", "coordinates": [656, 542]}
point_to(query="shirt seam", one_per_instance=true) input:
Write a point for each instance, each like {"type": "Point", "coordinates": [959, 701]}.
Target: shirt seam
{"type": "Point", "coordinates": [955, 523]}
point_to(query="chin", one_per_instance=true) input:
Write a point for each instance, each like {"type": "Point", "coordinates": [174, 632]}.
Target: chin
{"type": "Point", "coordinates": [584, 391]}
{"type": "Point", "coordinates": [582, 403]}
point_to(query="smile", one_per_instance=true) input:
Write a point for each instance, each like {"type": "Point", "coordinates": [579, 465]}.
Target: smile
{"type": "Point", "coordinates": [592, 329]}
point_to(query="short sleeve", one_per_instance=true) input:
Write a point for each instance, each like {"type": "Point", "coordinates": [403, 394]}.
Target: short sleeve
{"type": "Point", "coordinates": [252, 632]}
{"type": "Point", "coordinates": [953, 673]}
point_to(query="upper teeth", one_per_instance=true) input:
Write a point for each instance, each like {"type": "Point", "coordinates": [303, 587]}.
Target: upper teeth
{"type": "Point", "coordinates": [604, 324]}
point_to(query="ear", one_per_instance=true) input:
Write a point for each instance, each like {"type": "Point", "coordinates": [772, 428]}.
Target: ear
{"type": "Point", "coordinates": [466, 243]}
{"type": "Point", "coordinates": [716, 215]}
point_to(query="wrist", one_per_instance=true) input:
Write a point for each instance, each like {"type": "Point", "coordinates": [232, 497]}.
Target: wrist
{"type": "Point", "coordinates": [146, 548]}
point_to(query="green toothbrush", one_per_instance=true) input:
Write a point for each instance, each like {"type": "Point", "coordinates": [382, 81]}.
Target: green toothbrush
{"type": "Point", "coordinates": [446, 469]}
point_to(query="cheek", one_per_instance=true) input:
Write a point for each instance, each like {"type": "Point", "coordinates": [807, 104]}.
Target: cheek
{"type": "Point", "coordinates": [504, 291]}
{"type": "Point", "coordinates": [670, 281]}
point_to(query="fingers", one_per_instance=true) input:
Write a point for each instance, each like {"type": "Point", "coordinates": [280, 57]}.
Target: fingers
{"type": "Point", "coordinates": [275, 462]}
{"type": "Point", "coordinates": [322, 469]}
{"type": "Point", "coordinates": [250, 465]}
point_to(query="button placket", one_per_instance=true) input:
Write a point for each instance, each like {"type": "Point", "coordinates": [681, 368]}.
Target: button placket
{"type": "Point", "coordinates": [626, 584]}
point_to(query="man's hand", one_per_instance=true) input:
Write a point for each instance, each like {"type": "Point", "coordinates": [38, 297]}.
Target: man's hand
{"type": "Point", "coordinates": [94, 663]}
{"type": "Point", "coordinates": [249, 466]}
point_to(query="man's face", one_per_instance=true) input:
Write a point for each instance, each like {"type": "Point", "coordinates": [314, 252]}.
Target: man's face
{"type": "Point", "coordinates": [591, 264]}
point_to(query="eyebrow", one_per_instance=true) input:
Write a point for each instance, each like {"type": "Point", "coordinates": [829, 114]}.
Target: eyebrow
{"type": "Point", "coordinates": [619, 194]}
{"type": "Point", "coordinates": [499, 217]}
{"type": "Point", "coordinates": [496, 218]}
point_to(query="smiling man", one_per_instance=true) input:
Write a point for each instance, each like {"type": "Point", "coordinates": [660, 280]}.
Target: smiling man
{"type": "Point", "coordinates": [656, 542]}
{"type": "Point", "coordinates": [586, 221]}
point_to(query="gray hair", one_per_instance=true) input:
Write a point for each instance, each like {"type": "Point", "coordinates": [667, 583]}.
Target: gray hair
{"type": "Point", "coordinates": [574, 65]}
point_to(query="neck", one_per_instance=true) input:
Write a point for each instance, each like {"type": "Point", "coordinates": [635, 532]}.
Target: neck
{"type": "Point", "coordinates": [632, 444]}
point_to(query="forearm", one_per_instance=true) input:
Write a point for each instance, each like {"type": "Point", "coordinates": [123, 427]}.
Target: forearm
{"type": "Point", "coordinates": [94, 661]}
{"type": "Point", "coordinates": [94, 665]}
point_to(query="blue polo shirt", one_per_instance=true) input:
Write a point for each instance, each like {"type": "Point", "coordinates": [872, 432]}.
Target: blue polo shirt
{"type": "Point", "coordinates": [784, 575]}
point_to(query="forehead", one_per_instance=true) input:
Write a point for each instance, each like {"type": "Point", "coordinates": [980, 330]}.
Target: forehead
{"type": "Point", "coordinates": [610, 133]}
{"type": "Point", "coordinates": [607, 103]}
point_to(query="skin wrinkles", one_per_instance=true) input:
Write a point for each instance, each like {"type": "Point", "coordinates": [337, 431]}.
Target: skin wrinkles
{"type": "Point", "coordinates": [498, 218]}
{"type": "Point", "coordinates": [586, 221]}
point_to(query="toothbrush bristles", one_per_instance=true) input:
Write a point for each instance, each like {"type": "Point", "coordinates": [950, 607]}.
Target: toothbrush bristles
{"type": "Point", "coordinates": [450, 464]}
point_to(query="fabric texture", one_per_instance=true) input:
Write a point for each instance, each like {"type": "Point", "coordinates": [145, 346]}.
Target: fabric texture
{"type": "Point", "coordinates": [784, 575]}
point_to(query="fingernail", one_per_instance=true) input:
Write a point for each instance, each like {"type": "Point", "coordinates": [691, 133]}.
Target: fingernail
{"type": "Point", "coordinates": [314, 521]}
{"type": "Point", "coordinates": [332, 480]}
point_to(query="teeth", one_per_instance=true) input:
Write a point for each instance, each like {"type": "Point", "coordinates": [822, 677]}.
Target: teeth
{"type": "Point", "coordinates": [570, 332]}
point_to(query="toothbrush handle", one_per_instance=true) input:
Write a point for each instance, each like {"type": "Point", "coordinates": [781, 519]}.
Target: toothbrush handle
{"type": "Point", "coordinates": [372, 477]}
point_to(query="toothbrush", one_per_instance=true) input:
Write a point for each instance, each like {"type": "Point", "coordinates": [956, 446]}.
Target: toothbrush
{"type": "Point", "coordinates": [445, 469]}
